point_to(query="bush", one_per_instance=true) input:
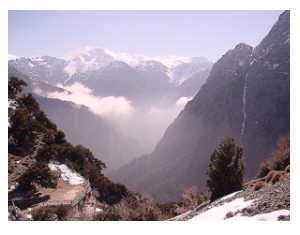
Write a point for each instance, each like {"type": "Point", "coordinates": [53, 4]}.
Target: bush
{"type": "Point", "coordinates": [44, 214]}
{"type": "Point", "coordinates": [133, 208]}
{"type": "Point", "coordinates": [168, 209]}
{"type": "Point", "coordinates": [15, 87]}
{"type": "Point", "coordinates": [61, 212]}
{"type": "Point", "coordinates": [258, 185]}
{"type": "Point", "coordinates": [279, 160]}
{"type": "Point", "coordinates": [50, 214]}
{"type": "Point", "coordinates": [226, 169]}
{"type": "Point", "coordinates": [38, 174]}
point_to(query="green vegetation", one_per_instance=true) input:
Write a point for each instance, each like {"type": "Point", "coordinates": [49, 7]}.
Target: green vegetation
{"type": "Point", "coordinates": [226, 169]}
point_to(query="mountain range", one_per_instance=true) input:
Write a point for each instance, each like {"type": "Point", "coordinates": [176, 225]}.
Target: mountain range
{"type": "Point", "coordinates": [246, 96]}
{"type": "Point", "coordinates": [142, 85]}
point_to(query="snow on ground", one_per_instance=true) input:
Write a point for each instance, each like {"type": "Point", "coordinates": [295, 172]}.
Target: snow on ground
{"type": "Point", "coordinates": [224, 198]}
{"type": "Point", "coordinates": [272, 216]}
{"type": "Point", "coordinates": [98, 210]}
{"type": "Point", "coordinates": [13, 187]}
{"type": "Point", "coordinates": [219, 212]}
{"type": "Point", "coordinates": [67, 174]}
{"type": "Point", "coordinates": [178, 217]}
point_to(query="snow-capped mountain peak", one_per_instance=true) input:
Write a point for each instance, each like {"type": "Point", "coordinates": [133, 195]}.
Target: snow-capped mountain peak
{"type": "Point", "coordinates": [83, 54]}
{"type": "Point", "coordinates": [94, 59]}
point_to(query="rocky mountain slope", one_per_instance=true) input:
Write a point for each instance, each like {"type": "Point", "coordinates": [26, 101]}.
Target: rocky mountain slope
{"type": "Point", "coordinates": [246, 96]}
{"type": "Point", "coordinates": [270, 202]}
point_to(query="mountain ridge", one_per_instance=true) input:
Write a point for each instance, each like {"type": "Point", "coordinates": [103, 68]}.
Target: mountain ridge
{"type": "Point", "coordinates": [242, 81]}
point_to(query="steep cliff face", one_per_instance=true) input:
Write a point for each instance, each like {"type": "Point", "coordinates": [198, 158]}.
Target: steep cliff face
{"type": "Point", "coordinates": [268, 94]}
{"type": "Point", "coordinates": [246, 96]}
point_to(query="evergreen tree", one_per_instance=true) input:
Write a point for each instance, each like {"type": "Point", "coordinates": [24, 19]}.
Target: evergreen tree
{"type": "Point", "coordinates": [226, 169]}
{"type": "Point", "coordinates": [14, 87]}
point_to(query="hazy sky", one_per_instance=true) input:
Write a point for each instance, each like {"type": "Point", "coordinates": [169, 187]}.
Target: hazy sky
{"type": "Point", "coordinates": [152, 33]}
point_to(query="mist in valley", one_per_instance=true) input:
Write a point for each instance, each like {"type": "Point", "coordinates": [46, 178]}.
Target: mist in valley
{"type": "Point", "coordinates": [146, 125]}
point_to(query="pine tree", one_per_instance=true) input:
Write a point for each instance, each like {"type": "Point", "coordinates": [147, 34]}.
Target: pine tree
{"type": "Point", "coordinates": [226, 169]}
{"type": "Point", "coordinates": [15, 87]}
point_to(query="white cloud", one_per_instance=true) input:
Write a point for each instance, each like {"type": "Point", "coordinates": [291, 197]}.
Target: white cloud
{"type": "Point", "coordinates": [12, 57]}
{"type": "Point", "coordinates": [104, 106]}
{"type": "Point", "coordinates": [147, 126]}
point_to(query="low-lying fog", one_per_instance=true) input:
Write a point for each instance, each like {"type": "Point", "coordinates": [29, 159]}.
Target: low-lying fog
{"type": "Point", "coordinates": [145, 125]}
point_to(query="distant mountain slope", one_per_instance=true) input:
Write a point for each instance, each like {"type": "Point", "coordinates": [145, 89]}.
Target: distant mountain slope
{"type": "Point", "coordinates": [83, 127]}
{"type": "Point", "coordinates": [246, 96]}
{"type": "Point", "coordinates": [140, 78]}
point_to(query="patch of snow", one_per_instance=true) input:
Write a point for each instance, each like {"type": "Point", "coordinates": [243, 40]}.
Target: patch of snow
{"type": "Point", "coordinates": [36, 58]}
{"type": "Point", "coordinates": [13, 187]}
{"type": "Point", "coordinates": [272, 216]}
{"type": "Point", "coordinates": [130, 58]}
{"type": "Point", "coordinates": [182, 101]}
{"type": "Point", "coordinates": [30, 64]}
{"type": "Point", "coordinates": [67, 174]}
{"type": "Point", "coordinates": [219, 212]}
{"type": "Point", "coordinates": [12, 104]}
{"type": "Point", "coordinates": [229, 195]}
{"type": "Point", "coordinates": [70, 69]}
{"type": "Point", "coordinates": [275, 66]}
{"type": "Point", "coordinates": [98, 210]}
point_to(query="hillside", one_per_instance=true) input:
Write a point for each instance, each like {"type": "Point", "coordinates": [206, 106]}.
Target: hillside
{"type": "Point", "coordinates": [246, 96]}
{"type": "Point", "coordinates": [107, 142]}
{"type": "Point", "coordinates": [45, 170]}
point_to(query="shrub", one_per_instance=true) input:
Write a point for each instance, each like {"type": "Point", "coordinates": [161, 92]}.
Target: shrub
{"type": "Point", "coordinates": [258, 185]}
{"type": "Point", "coordinates": [279, 160]}
{"type": "Point", "coordinates": [190, 197]}
{"type": "Point", "coordinates": [61, 212]}
{"type": "Point", "coordinates": [226, 169]}
{"type": "Point", "coordinates": [168, 209]}
{"type": "Point", "coordinates": [37, 174]}
{"type": "Point", "coordinates": [44, 214]}
{"type": "Point", "coordinates": [274, 176]}
{"type": "Point", "coordinates": [133, 208]}
{"type": "Point", "coordinates": [287, 169]}
{"type": "Point", "coordinates": [15, 87]}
